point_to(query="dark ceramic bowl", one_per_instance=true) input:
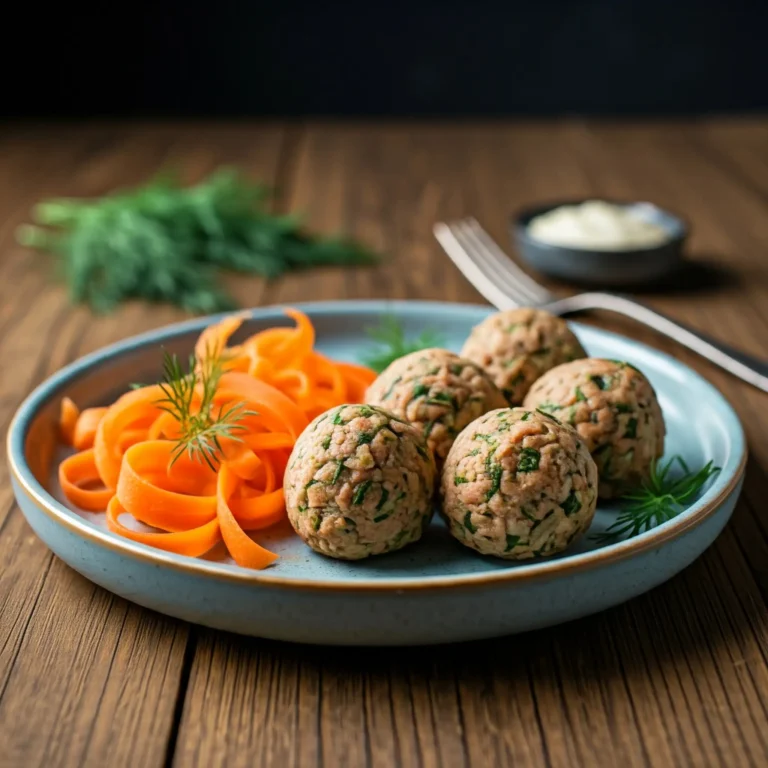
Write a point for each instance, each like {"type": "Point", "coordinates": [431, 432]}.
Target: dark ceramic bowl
{"type": "Point", "coordinates": [600, 267]}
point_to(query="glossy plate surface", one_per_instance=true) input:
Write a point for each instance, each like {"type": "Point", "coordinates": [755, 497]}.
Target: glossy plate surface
{"type": "Point", "coordinates": [434, 591]}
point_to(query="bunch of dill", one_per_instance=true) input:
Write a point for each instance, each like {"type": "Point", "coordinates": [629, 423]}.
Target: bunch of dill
{"type": "Point", "coordinates": [166, 243]}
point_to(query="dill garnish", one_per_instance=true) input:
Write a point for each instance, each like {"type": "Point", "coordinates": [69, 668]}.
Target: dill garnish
{"type": "Point", "coordinates": [659, 499]}
{"type": "Point", "coordinates": [200, 431]}
{"type": "Point", "coordinates": [166, 243]}
{"type": "Point", "coordinates": [393, 344]}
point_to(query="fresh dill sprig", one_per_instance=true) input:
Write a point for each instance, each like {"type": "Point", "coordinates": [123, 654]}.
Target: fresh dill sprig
{"type": "Point", "coordinates": [390, 336]}
{"type": "Point", "coordinates": [162, 242]}
{"type": "Point", "coordinates": [201, 431]}
{"type": "Point", "coordinates": [659, 499]}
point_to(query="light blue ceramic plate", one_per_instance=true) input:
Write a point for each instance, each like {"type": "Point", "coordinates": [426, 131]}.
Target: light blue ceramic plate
{"type": "Point", "coordinates": [433, 592]}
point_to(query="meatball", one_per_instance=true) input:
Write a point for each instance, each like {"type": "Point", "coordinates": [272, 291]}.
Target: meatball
{"type": "Point", "coordinates": [437, 392]}
{"type": "Point", "coordinates": [614, 409]}
{"type": "Point", "coordinates": [517, 483]}
{"type": "Point", "coordinates": [517, 346]}
{"type": "Point", "coordinates": [359, 482]}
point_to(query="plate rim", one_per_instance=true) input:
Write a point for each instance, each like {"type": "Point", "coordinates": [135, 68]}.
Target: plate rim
{"type": "Point", "coordinates": [35, 493]}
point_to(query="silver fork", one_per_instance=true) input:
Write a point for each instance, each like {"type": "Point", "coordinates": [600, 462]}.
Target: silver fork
{"type": "Point", "coordinates": [506, 286]}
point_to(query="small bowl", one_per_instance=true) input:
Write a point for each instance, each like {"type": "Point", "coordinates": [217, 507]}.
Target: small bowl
{"type": "Point", "coordinates": [602, 267]}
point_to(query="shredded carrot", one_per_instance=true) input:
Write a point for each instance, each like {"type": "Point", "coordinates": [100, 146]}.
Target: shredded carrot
{"type": "Point", "coordinates": [243, 549]}
{"type": "Point", "coordinates": [193, 542]}
{"type": "Point", "coordinates": [86, 426]}
{"type": "Point", "coordinates": [128, 462]}
{"type": "Point", "coordinates": [68, 417]}
{"type": "Point", "coordinates": [74, 473]}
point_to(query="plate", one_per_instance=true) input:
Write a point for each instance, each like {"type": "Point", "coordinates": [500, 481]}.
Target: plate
{"type": "Point", "coordinates": [433, 592]}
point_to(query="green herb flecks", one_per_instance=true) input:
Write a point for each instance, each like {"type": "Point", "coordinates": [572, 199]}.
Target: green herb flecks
{"type": "Point", "coordinates": [166, 243]}
{"type": "Point", "coordinates": [631, 430]}
{"type": "Point", "coordinates": [580, 397]}
{"type": "Point", "coordinates": [529, 460]}
{"type": "Point", "coordinates": [572, 504]}
{"type": "Point", "coordinates": [383, 499]}
{"type": "Point", "coordinates": [659, 499]}
{"type": "Point", "coordinates": [422, 451]}
{"type": "Point", "coordinates": [468, 523]}
{"type": "Point", "coordinates": [459, 480]}
{"type": "Point", "coordinates": [548, 415]}
{"type": "Point", "coordinates": [337, 473]}
{"type": "Point", "coordinates": [392, 386]}
{"type": "Point", "coordinates": [512, 542]}
{"type": "Point", "coordinates": [495, 472]}
{"type": "Point", "coordinates": [601, 382]}
{"type": "Point", "coordinates": [525, 416]}
{"type": "Point", "coordinates": [623, 364]}
{"type": "Point", "coordinates": [419, 390]}
{"type": "Point", "coordinates": [443, 398]}
{"type": "Point", "coordinates": [550, 407]}
{"type": "Point", "coordinates": [393, 344]}
{"type": "Point", "coordinates": [200, 431]}
{"type": "Point", "coordinates": [623, 408]}
{"type": "Point", "coordinates": [360, 492]}
{"type": "Point", "coordinates": [326, 442]}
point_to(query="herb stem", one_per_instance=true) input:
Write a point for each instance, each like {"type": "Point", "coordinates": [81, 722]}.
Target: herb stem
{"type": "Point", "coordinates": [393, 343]}
{"type": "Point", "coordinates": [200, 431]}
{"type": "Point", "coordinates": [659, 499]}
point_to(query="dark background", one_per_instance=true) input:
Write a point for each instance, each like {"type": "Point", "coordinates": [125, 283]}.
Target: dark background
{"type": "Point", "coordinates": [400, 59]}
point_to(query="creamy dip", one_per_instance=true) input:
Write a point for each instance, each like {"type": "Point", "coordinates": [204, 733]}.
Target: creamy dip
{"type": "Point", "coordinates": [596, 225]}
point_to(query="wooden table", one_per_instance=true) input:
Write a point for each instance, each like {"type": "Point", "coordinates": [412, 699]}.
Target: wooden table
{"type": "Point", "coordinates": [677, 677]}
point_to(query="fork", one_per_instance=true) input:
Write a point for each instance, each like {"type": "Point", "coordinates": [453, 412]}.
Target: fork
{"type": "Point", "coordinates": [506, 286]}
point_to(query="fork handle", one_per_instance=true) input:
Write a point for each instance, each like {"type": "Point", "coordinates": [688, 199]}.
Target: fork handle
{"type": "Point", "coordinates": [746, 367]}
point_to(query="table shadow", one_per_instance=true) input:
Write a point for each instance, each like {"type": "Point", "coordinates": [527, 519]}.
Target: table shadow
{"type": "Point", "coordinates": [701, 273]}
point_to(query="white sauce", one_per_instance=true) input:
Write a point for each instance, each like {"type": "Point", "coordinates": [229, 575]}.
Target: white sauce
{"type": "Point", "coordinates": [598, 226]}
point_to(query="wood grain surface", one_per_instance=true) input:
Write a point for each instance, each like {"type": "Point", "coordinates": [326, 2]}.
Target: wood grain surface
{"type": "Point", "coordinates": [677, 677]}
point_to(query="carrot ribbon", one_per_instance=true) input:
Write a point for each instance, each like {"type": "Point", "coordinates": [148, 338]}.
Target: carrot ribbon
{"type": "Point", "coordinates": [127, 464]}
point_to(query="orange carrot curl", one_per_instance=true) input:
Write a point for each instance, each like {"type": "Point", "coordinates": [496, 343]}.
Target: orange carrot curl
{"type": "Point", "coordinates": [134, 458]}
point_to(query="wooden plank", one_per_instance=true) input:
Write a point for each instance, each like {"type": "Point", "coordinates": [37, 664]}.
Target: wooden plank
{"type": "Point", "coordinates": [86, 678]}
{"type": "Point", "coordinates": [676, 677]}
